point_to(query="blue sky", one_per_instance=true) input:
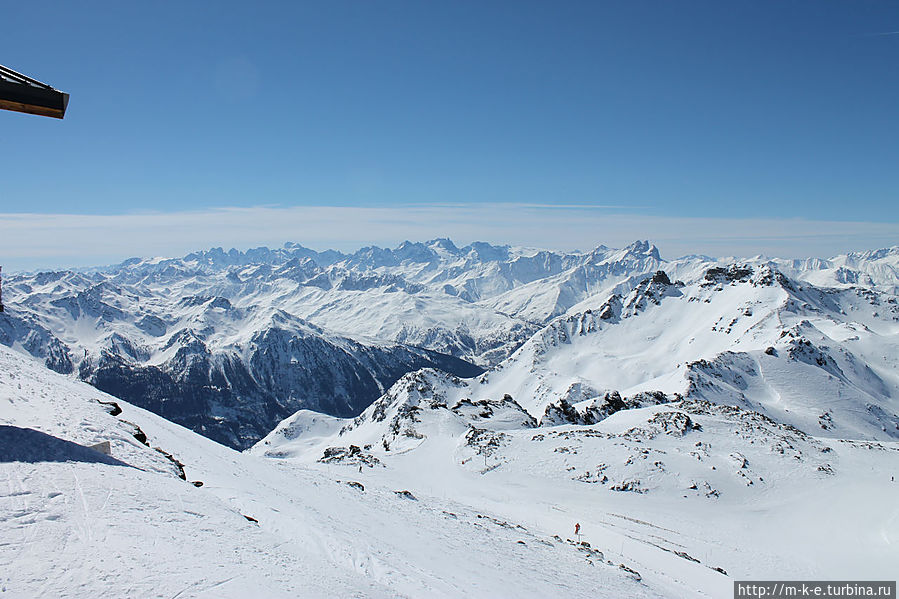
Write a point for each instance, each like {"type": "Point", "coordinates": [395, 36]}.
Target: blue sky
{"type": "Point", "coordinates": [752, 112]}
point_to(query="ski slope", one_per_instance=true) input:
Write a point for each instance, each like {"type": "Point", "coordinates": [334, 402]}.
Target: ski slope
{"type": "Point", "coordinates": [77, 523]}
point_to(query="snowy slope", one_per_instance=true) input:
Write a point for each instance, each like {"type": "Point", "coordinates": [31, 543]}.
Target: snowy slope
{"type": "Point", "coordinates": [689, 494]}
{"type": "Point", "coordinates": [434, 521]}
{"type": "Point", "coordinates": [819, 359]}
{"type": "Point", "coordinates": [78, 523]}
{"type": "Point", "coordinates": [823, 360]}
{"type": "Point", "coordinates": [708, 426]}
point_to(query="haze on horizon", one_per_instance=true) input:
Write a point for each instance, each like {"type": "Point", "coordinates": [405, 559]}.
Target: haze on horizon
{"type": "Point", "coordinates": [758, 128]}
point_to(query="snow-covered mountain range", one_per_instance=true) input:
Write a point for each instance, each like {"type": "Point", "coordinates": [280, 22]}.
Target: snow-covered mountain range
{"type": "Point", "coordinates": [230, 343]}
{"type": "Point", "coordinates": [102, 498]}
{"type": "Point", "coordinates": [785, 365]}
{"type": "Point", "coordinates": [703, 420]}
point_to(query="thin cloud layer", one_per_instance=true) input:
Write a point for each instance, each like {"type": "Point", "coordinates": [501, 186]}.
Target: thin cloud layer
{"type": "Point", "coordinates": [40, 241]}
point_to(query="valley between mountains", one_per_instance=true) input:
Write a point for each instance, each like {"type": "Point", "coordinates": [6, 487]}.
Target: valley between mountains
{"type": "Point", "coordinates": [433, 420]}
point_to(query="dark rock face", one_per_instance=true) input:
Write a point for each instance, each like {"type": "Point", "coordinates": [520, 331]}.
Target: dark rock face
{"type": "Point", "coordinates": [674, 423]}
{"type": "Point", "coordinates": [485, 409]}
{"type": "Point", "coordinates": [661, 277]}
{"type": "Point", "coordinates": [352, 455]}
{"type": "Point", "coordinates": [562, 412]}
{"type": "Point", "coordinates": [764, 276]}
{"type": "Point", "coordinates": [236, 401]}
{"type": "Point", "coordinates": [730, 274]}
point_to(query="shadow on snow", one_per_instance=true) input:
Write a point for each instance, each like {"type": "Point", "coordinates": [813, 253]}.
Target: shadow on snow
{"type": "Point", "coordinates": [28, 445]}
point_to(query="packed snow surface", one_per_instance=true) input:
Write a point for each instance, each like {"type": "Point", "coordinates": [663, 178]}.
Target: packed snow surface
{"type": "Point", "coordinates": [690, 487]}
{"type": "Point", "coordinates": [76, 522]}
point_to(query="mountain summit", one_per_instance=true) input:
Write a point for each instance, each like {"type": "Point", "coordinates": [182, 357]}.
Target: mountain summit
{"type": "Point", "coordinates": [229, 343]}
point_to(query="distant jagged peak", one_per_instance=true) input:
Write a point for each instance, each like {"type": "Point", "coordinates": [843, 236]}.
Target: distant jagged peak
{"type": "Point", "coordinates": [293, 246]}
{"type": "Point", "coordinates": [129, 262]}
{"type": "Point", "coordinates": [415, 252]}
{"type": "Point", "coordinates": [218, 258]}
{"type": "Point", "coordinates": [443, 243]}
{"type": "Point", "coordinates": [258, 255]}
{"type": "Point", "coordinates": [878, 254]}
{"type": "Point", "coordinates": [302, 267]}
{"type": "Point", "coordinates": [437, 250]}
{"type": "Point", "coordinates": [695, 258]}
{"type": "Point", "coordinates": [639, 252]}
{"type": "Point", "coordinates": [888, 257]}
{"type": "Point", "coordinates": [599, 253]}
{"type": "Point", "coordinates": [642, 249]}
{"type": "Point", "coordinates": [484, 252]}
{"type": "Point", "coordinates": [371, 256]}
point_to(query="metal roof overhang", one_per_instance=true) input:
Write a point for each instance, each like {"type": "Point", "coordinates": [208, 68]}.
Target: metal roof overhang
{"type": "Point", "coordinates": [24, 94]}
